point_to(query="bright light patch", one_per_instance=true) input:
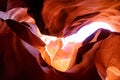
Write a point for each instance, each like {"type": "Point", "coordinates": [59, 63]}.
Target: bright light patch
{"type": "Point", "coordinates": [87, 30]}
{"type": "Point", "coordinates": [63, 51]}
{"type": "Point", "coordinates": [47, 39]}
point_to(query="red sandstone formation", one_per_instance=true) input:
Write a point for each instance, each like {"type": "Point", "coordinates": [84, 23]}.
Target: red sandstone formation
{"type": "Point", "coordinates": [59, 40]}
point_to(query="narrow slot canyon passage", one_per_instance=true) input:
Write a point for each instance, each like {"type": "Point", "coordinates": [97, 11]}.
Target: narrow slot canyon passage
{"type": "Point", "coordinates": [59, 40]}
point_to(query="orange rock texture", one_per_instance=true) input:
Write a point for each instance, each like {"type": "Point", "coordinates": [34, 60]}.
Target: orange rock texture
{"type": "Point", "coordinates": [59, 40]}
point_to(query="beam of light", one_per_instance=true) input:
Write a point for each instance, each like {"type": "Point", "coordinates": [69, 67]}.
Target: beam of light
{"type": "Point", "coordinates": [65, 49]}
{"type": "Point", "coordinates": [87, 30]}
{"type": "Point", "coordinates": [47, 39]}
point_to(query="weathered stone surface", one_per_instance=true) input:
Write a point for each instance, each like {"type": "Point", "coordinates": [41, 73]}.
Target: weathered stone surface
{"type": "Point", "coordinates": [36, 44]}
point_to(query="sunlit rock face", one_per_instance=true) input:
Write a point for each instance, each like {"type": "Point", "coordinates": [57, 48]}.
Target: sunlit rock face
{"type": "Point", "coordinates": [59, 40]}
{"type": "Point", "coordinates": [68, 15]}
